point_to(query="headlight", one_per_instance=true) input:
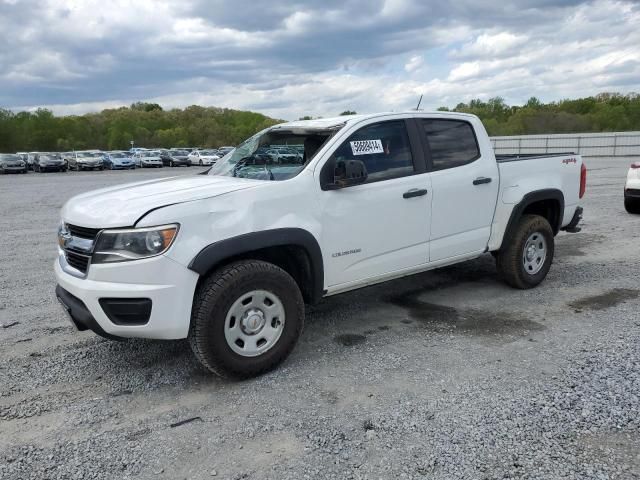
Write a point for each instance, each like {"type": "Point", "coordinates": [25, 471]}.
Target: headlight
{"type": "Point", "coordinates": [133, 244]}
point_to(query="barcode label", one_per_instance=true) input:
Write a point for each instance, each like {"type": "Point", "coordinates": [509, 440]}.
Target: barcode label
{"type": "Point", "coordinates": [366, 147]}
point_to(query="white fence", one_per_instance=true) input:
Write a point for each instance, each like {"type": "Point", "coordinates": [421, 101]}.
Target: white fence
{"type": "Point", "coordinates": [617, 144]}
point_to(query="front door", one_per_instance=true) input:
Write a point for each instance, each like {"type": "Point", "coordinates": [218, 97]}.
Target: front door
{"type": "Point", "coordinates": [381, 226]}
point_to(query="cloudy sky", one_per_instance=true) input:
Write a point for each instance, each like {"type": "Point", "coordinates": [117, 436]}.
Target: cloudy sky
{"type": "Point", "coordinates": [289, 58]}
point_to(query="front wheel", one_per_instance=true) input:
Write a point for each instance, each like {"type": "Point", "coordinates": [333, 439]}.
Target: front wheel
{"type": "Point", "coordinates": [526, 259]}
{"type": "Point", "coordinates": [246, 319]}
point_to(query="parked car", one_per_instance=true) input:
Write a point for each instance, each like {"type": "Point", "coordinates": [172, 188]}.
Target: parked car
{"type": "Point", "coordinates": [49, 162]}
{"type": "Point", "coordinates": [227, 259]}
{"type": "Point", "coordinates": [284, 155]}
{"type": "Point", "coordinates": [24, 156]}
{"type": "Point", "coordinates": [175, 157]}
{"type": "Point", "coordinates": [119, 160]}
{"type": "Point", "coordinates": [86, 160]}
{"type": "Point", "coordinates": [203, 157]}
{"type": "Point", "coordinates": [147, 158]}
{"type": "Point", "coordinates": [632, 189]}
{"type": "Point", "coordinates": [31, 160]}
{"type": "Point", "coordinates": [12, 163]}
{"type": "Point", "coordinates": [224, 150]}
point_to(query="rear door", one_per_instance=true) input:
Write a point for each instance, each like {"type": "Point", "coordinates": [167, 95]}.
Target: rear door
{"type": "Point", "coordinates": [465, 187]}
{"type": "Point", "coordinates": [381, 226]}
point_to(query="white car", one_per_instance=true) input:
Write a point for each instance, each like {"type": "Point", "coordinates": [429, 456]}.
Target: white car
{"type": "Point", "coordinates": [203, 157]}
{"type": "Point", "coordinates": [228, 258]}
{"type": "Point", "coordinates": [147, 158]}
{"type": "Point", "coordinates": [632, 189]}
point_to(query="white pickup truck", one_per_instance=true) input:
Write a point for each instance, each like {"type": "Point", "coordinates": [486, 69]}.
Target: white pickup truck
{"type": "Point", "coordinates": [229, 257]}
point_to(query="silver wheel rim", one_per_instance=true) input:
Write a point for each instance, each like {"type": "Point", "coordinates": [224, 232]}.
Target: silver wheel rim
{"type": "Point", "coordinates": [534, 253]}
{"type": "Point", "coordinates": [254, 323]}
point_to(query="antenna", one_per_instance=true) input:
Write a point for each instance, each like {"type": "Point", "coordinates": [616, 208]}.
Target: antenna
{"type": "Point", "coordinates": [419, 102]}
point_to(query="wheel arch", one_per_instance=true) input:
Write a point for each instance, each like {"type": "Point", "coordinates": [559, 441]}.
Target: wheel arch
{"type": "Point", "coordinates": [293, 249]}
{"type": "Point", "coordinates": [548, 203]}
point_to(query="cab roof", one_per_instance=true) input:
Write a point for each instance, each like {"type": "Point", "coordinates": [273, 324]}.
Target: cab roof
{"type": "Point", "coordinates": [335, 122]}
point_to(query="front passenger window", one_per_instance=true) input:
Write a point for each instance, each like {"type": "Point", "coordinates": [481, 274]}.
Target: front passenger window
{"type": "Point", "coordinates": [383, 147]}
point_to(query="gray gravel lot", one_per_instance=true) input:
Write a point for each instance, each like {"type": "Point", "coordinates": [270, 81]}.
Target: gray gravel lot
{"type": "Point", "coordinates": [446, 375]}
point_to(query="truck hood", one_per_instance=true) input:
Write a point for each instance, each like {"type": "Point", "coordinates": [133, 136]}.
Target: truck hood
{"type": "Point", "coordinates": [124, 205]}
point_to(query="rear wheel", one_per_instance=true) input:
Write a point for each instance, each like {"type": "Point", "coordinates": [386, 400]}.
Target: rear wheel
{"type": "Point", "coordinates": [246, 319]}
{"type": "Point", "coordinates": [525, 261]}
{"type": "Point", "coordinates": [632, 205]}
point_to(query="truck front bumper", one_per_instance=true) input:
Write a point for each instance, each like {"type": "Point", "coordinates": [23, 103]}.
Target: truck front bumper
{"type": "Point", "coordinates": [148, 298]}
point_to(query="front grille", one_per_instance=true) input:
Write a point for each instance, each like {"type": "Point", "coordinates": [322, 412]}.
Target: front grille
{"type": "Point", "coordinates": [83, 232]}
{"type": "Point", "coordinates": [77, 261]}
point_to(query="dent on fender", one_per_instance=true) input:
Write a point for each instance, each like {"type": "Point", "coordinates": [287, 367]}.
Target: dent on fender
{"type": "Point", "coordinates": [512, 195]}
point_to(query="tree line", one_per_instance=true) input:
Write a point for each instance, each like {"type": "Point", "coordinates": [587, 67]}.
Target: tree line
{"type": "Point", "coordinates": [149, 125]}
{"type": "Point", "coordinates": [606, 112]}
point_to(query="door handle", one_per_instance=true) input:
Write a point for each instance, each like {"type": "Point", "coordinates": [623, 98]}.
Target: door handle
{"type": "Point", "coordinates": [481, 180]}
{"type": "Point", "coordinates": [415, 192]}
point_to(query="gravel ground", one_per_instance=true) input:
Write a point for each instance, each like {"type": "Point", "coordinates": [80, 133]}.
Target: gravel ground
{"type": "Point", "coordinates": [444, 375]}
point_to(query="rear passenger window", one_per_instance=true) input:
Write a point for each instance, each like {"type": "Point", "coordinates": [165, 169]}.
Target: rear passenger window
{"type": "Point", "coordinates": [383, 147]}
{"type": "Point", "coordinates": [452, 143]}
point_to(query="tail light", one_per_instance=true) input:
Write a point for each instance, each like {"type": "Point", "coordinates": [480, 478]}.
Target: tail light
{"type": "Point", "coordinates": [635, 165]}
{"type": "Point", "coordinates": [583, 179]}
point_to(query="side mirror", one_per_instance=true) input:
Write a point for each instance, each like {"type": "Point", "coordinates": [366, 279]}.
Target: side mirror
{"type": "Point", "coordinates": [348, 173]}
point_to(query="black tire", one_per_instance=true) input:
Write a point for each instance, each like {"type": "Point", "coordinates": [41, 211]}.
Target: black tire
{"type": "Point", "coordinates": [632, 205]}
{"type": "Point", "coordinates": [510, 259]}
{"type": "Point", "coordinates": [213, 300]}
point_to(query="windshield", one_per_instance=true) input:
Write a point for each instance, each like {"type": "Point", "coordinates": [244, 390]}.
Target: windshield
{"type": "Point", "coordinates": [276, 154]}
{"type": "Point", "coordinates": [148, 154]}
{"type": "Point", "coordinates": [8, 157]}
{"type": "Point", "coordinates": [118, 155]}
{"type": "Point", "coordinates": [89, 154]}
{"type": "Point", "coordinates": [208, 152]}
{"type": "Point", "coordinates": [48, 157]}
{"type": "Point", "coordinates": [179, 153]}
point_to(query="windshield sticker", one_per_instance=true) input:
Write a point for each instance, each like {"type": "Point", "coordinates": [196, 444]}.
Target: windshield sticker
{"type": "Point", "coordinates": [366, 147]}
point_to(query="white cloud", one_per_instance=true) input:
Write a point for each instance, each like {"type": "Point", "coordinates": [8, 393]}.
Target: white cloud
{"type": "Point", "coordinates": [414, 63]}
{"type": "Point", "coordinates": [491, 45]}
